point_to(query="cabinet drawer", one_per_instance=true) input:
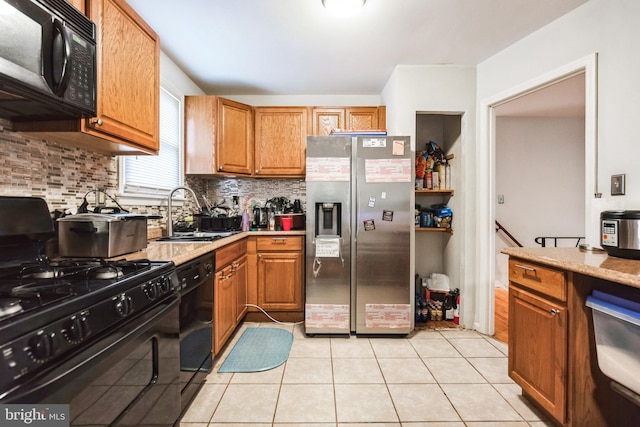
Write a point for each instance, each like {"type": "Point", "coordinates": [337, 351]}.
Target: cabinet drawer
{"type": "Point", "coordinates": [230, 252]}
{"type": "Point", "coordinates": [538, 278]}
{"type": "Point", "coordinates": [279, 243]}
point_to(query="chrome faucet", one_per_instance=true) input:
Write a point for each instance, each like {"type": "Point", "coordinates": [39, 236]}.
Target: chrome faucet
{"type": "Point", "coordinates": [169, 222]}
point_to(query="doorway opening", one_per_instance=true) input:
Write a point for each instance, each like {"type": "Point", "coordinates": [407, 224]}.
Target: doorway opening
{"type": "Point", "coordinates": [490, 129]}
{"type": "Point", "coordinates": [539, 172]}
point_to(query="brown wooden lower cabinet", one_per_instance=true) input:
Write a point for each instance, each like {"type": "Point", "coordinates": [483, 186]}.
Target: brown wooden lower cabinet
{"type": "Point", "coordinates": [266, 271]}
{"type": "Point", "coordinates": [230, 290]}
{"type": "Point", "coordinates": [552, 346]}
{"type": "Point", "coordinates": [280, 269]}
{"type": "Point", "coordinates": [276, 277]}
{"type": "Point", "coordinates": [538, 349]}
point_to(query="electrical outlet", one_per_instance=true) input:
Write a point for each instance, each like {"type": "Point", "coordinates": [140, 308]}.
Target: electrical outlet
{"type": "Point", "coordinates": [617, 185]}
{"type": "Point", "coordinates": [501, 199]}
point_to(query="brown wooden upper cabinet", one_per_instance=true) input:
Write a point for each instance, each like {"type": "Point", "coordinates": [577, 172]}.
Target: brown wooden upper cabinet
{"type": "Point", "coordinates": [280, 141]}
{"type": "Point", "coordinates": [362, 118]}
{"type": "Point", "coordinates": [218, 136]}
{"type": "Point", "coordinates": [78, 4]}
{"type": "Point", "coordinates": [128, 86]}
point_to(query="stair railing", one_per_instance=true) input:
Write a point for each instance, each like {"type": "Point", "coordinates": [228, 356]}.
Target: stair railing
{"type": "Point", "coordinates": [543, 240]}
{"type": "Point", "coordinates": [499, 227]}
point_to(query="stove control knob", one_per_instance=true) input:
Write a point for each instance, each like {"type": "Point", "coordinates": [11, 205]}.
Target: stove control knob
{"type": "Point", "coordinates": [208, 268]}
{"type": "Point", "coordinates": [165, 284]}
{"type": "Point", "coordinates": [150, 290]}
{"type": "Point", "coordinates": [123, 305]}
{"type": "Point", "coordinates": [76, 328]}
{"type": "Point", "coordinates": [43, 346]}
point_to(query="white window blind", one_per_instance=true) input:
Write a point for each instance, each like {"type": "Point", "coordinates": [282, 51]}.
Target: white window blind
{"type": "Point", "coordinates": [156, 175]}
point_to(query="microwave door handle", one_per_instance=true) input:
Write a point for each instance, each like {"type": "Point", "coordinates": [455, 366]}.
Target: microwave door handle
{"type": "Point", "coordinates": [61, 51]}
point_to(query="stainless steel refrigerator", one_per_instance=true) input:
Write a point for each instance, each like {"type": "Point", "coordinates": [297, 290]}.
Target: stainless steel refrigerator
{"type": "Point", "coordinates": [359, 220]}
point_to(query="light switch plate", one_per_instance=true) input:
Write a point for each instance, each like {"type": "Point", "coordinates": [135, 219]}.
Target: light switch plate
{"type": "Point", "coordinates": [617, 185]}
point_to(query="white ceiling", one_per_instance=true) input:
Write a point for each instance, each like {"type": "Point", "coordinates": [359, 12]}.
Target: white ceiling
{"type": "Point", "coordinates": [281, 47]}
{"type": "Point", "coordinates": [565, 98]}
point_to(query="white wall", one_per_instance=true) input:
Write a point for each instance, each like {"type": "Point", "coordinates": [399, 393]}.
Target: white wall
{"type": "Point", "coordinates": [175, 80]}
{"type": "Point", "coordinates": [540, 167]}
{"type": "Point", "coordinates": [608, 28]}
{"type": "Point", "coordinates": [540, 173]}
{"type": "Point", "coordinates": [441, 89]}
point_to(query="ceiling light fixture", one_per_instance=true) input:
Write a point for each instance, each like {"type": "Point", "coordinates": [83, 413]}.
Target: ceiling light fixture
{"type": "Point", "coordinates": [343, 8]}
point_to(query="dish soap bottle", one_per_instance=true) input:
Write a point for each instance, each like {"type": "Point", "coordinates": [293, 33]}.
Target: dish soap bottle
{"type": "Point", "coordinates": [245, 220]}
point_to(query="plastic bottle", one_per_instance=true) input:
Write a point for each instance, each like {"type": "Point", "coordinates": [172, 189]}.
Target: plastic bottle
{"type": "Point", "coordinates": [456, 311]}
{"type": "Point", "coordinates": [441, 175]}
{"type": "Point", "coordinates": [245, 220]}
{"type": "Point", "coordinates": [272, 221]}
{"type": "Point", "coordinates": [447, 176]}
{"type": "Point", "coordinates": [428, 180]}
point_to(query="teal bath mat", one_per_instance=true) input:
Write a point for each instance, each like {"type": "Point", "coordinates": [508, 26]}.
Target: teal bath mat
{"type": "Point", "coordinates": [258, 349]}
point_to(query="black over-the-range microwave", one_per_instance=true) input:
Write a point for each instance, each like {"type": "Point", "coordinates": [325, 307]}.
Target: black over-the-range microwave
{"type": "Point", "coordinates": [47, 61]}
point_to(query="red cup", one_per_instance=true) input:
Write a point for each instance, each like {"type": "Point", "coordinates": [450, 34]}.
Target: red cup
{"type": "Point", "coordinates": [287, 221]}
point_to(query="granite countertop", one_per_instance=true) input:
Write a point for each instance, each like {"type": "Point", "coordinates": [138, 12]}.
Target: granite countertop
{"type": "Point", "coordinates": [181, 252]}
{"type": "Point", "coordinates": [595, 264]}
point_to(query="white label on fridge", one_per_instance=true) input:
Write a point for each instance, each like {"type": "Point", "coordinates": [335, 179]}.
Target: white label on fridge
{"type": "Point", "coordinates": [390, 316]}
{"type": "Point", "coordinates": [374, 142]}
{"type": "Point", "coordinates": [328, 169]}
{"type": "Point", "coordinates": [388, 170]}
{"type": "Point", "coordinates": [324, 316]}
{"type": "Point", "coordinates": [328, 247]}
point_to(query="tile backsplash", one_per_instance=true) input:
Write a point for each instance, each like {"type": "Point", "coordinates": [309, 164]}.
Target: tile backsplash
{"type": "Point", "coordinates": [31, 166]}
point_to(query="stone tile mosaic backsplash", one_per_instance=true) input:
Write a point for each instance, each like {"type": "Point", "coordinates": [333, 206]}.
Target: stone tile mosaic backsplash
{"type": "Point", "coordinates": [34, 167]}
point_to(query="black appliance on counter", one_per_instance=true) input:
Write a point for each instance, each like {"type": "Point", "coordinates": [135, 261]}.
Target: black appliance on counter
{"type": "Point", "coordinates": [101, 336]}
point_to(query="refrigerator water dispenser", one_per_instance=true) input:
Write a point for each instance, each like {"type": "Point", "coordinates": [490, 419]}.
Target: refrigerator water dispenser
{"type": "Point", "coordinates": [327, 219]}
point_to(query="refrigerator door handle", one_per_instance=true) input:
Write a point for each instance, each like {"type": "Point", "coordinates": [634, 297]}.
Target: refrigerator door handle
{"type": "Point", "coordinates": [317, 264]}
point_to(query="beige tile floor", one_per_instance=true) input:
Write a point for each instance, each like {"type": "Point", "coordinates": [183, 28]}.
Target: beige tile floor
{"type": "Point", "coordinates": [432, 378]}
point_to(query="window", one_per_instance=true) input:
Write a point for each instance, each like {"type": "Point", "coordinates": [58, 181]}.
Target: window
{"type": "Point", "coordinates": [154, 176]}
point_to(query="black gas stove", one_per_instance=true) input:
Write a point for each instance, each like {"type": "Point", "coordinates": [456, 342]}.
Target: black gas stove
{"type": "Point", "coordinates": [57, 315]}
{"type": "Point", "coordinates": [49, 308]}
{"type": "Point", "coordinates": [34, 285]}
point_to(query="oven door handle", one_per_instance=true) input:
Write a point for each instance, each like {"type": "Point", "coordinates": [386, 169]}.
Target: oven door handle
{"type": "Point", "coordinates": [75, 373]}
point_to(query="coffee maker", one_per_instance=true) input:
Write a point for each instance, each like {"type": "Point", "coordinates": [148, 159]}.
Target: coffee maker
{"type": "Point", "coordinates": [260, 217]}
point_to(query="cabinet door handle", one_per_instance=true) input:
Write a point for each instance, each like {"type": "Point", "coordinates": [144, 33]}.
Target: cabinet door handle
{"type": "Point", "coordinates": [524, 267]}
{"type": "Point", "coordinates": [553, 311]}
{"type": "Point", "coordinates": [279, 240]}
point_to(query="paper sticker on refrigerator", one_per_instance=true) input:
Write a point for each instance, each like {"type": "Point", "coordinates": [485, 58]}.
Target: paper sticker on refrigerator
{"type": "Point", "coordinates": [388, 315]}
{"type": "Point", "coordinates": [326, 316]}
{"type": "Point", "coordinates": [328, 248]}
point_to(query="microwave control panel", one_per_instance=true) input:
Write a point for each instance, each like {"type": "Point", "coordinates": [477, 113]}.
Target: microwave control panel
{"type": "Point", "coordinates": [610, 233]}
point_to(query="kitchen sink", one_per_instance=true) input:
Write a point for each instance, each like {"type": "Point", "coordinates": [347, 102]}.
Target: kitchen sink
{"type": "Point", "coordinates": [197, 236]}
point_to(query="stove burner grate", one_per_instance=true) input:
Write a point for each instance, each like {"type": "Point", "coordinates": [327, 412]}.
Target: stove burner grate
{"type": "Point", "coordinates": [9, 306]}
